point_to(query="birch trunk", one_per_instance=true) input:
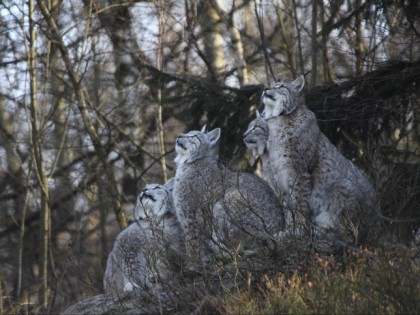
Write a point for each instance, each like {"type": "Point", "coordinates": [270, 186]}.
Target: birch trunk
{"type": "Point", "coordinates": [211, 29]}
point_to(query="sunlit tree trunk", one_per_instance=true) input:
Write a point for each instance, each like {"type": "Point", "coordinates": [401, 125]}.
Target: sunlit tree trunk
{"type": "Point", "coordinates": [212, 35]}
{"type": "Point", "coordinates": [159, 62]}
{"type": "Point", "coordinates": [235, 39]}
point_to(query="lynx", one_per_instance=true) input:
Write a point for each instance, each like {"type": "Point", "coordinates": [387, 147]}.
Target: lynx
{"type": "Point", "coordinates": [217, 207]}
{"type": "Point", "coordinates": [255, 138]}
{"type": "Point", "coordinates": [291, 144]}
{"type": "Point", "coordinates": [148, 252]}
{"type": "Point", "coordinates": [302, 157]}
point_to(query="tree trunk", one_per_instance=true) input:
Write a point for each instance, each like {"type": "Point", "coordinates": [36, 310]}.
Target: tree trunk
{"type": "Point", "coordinates": [299, 39]}
{"type": "Point", "coordinates": [326, 62]}
{"type": "Point", "coordinates": [39, 166]}
{"type": "Point", "coordinates": [87, 120]}
{"type": "Point", "coordinates": [235, 39]}
{"type": "Point", "coordinates": [314, 42]}
{"type": "Point", "coordinates": [160, 63]}
{"type": "Point", "coordinates": [287, 38]}
{"type": "Point", "coordinates": [211, 29]}
{"type": "Point", "coordinates": [360, 46]}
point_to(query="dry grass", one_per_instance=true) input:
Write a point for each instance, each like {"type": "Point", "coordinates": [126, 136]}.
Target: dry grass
{"type": "Point", "coordinates": [364, 282]}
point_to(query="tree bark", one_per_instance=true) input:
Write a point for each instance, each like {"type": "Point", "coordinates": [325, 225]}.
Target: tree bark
{"type": "Point", "coordinates": [39, 166]}
{"type": "Point", "coordinates": [287, 39]}
{"type": "Point", "coordinates": [314, 42]}
{"type": "Point", "coordinates": [159, 66]}
{"type": "Point", "coordinates": [87, 120]}
{"type": "Point", "coordinates": [326, 62]}
{"type": "Point", "coordinates": [360, 46]}
{"type": "Point", "coordinates": [211, 29]}
{"type": "Point", "coordinates": [235, 39]}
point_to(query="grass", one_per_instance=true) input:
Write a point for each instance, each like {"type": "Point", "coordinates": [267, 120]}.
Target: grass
{"type": "Point", "coordinates": [364, 283]}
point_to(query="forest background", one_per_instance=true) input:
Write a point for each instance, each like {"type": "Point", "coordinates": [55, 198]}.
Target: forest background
{"type": "Point", "coordinates": [93, 94]}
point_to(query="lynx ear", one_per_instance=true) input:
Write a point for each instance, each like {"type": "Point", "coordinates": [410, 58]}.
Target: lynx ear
{"type": "Point", "coordinates": [204, 128]}
{"type": "Point", "coordinates": [214, 135]}
{"type": "Point", "coordinates": [299, 83]}
{"type": "Point", "coordinates": [257, 112]}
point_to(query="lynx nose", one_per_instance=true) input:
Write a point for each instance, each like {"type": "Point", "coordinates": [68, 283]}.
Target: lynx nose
{"type": "Point", "coordinates": [265, 93]}
{"type": "Point", "coordinates": [179, 142]}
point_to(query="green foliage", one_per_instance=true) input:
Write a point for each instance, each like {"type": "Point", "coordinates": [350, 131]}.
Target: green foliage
{"type": "Point", "coordinates": [363, 283]}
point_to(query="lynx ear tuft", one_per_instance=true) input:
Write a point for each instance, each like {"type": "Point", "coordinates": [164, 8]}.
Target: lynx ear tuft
{"type": "Point", "coordinates": [299, 83]}
{"type": "Point", "coordinates": [204, 128]}
{"type": "Point", "coordinates": [214, 135]}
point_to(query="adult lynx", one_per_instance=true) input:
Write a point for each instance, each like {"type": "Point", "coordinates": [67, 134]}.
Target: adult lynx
{"type": "Point", "coordinates": [340, 197]}
{"type": "Point", "coordinates": [291, 144]}
{"type": "Point", "coordinates": [256, 138]}
{"type": "Point", "coordinates": [148, 253]}
{"type": "Point", "coordinates": [217, 207]}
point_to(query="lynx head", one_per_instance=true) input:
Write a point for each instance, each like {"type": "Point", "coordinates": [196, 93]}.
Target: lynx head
{"type": "Point", "coordinates": [282, 98]}
{"type": "Point", "coordinates": [196, 145]}
{"type": "Point", "coordinates": [256, 136]}
{"type": "Point", "coordinates": [153, 202]}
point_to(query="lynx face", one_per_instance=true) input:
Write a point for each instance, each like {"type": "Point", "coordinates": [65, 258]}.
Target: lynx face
{"type": "Point", "coordinates": [195, 145]}
{"type": "Point", "coordinates": [153, 202]}
{"type": "Point", "coordinates": [282, 98]}
{"type": "Point", "coordinates": [256, 136]}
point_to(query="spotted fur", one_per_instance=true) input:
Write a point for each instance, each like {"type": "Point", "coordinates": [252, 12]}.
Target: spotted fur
{"type": "Point", "coordinates": [309, 168]}
{"type": "Point", "coordinates": [216, 206]}
{"type": "Point", "coordinates": [149, 251]}
{"type": "Point", "coordinates": [255, 138]}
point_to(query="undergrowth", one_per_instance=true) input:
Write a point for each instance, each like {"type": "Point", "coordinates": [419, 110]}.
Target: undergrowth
{"type": "Point", "coordinates": [364, 282]}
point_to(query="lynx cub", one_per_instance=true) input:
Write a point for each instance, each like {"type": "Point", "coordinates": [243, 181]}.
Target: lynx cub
{"type": "Point", "coordinates": [148, 252]}
{"type": "Point", "coordinates": [337, 192]}
{"type": "Point", "coordinates": [255, 138]}
{"type": "Point", "coordinates": [217, 207]}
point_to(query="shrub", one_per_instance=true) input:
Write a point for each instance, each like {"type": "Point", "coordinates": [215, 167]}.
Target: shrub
{"type": "Point", "coordinates": [363, 282]}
